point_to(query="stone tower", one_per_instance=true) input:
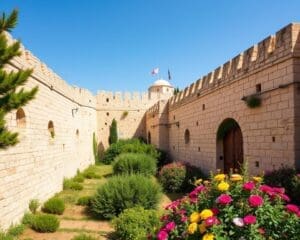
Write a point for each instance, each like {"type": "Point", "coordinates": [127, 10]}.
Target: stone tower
{"type": "Point", "coordinates": [161, 89]}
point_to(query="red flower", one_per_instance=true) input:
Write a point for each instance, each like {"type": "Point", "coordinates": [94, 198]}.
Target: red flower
{"type": "Point", "coordinates": [215, 211]}
{"type": "Point", "coordinates": [210, 221]}
{"type": "Point", "coordinates": [255, 200]}
{"type": "Point", "coordinates": [292, 208]}
{"type": "Point", "coordinates": [249, 219]}
{"type": "Point", "coordinates": [224, 199]}
{"type": "Point", "coordinates": [248, 186]}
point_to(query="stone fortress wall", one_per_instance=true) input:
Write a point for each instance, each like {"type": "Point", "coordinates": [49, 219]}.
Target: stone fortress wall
{"type": "Point", "coordinates": [270, 132]}
{"type": "Point", "coordinates": [35, 168]}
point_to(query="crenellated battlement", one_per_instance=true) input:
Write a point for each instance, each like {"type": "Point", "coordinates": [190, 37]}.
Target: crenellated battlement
{"type": "Point", "coordinates": [47, 77]}
{"type": "Point", "coordinates": [282, 45]}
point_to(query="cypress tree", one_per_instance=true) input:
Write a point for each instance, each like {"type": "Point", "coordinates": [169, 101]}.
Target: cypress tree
{"type": "Point", "coordinates": [12, 94]}
{"type": "Point", "coordinates": [113, 132]}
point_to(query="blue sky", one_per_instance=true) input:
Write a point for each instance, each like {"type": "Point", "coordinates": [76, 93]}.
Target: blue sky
{"type": "Point", "coordinates": [114, 44]}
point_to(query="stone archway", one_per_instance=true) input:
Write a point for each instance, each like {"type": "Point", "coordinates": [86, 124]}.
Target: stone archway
{"type": "Point", "coordinates": [230, 144]}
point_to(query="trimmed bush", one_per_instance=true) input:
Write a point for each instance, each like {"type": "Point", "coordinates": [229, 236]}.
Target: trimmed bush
{"type": "Point", "coordinates": [136, 223]}
{"type": "Point", "coordinates": [28, 219]}
{"type": "Point", "coordinates": [54, 205]}
{"type": "Point", "coordinates": [122, 192]}
{"type": "Point", "coordinates": [130, 163]}
{"type": "Point", "coordinates": [71, 184]}
{"type": "Point", "coordinates": [34, 205]}
{"type": "Point", "coordinates": [128, 146]}
{"type": "Point", "coordinates": [84, 201]}
{"type": "Point", "coordinates": [83, 237]}
{"type": "Point", "coordinates": [91, 172]}
{"type": "Point", "coordinates": [45, 223]}
{"type": "Point", "coordinates": [16, 230]}
{"type": "Point", "coordinates": [172, 177]}
{"type": "Point", "coordinates": [287, 178]}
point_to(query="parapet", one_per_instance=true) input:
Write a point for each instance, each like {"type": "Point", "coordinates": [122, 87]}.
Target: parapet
{"type": "Point", "coordinates": [284, 44]}
{"type": "Point", "coordinates": [47, 77]}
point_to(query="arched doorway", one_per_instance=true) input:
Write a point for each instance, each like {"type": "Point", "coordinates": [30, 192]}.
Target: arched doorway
{"type": "Point", "coordinates": [230, 139]}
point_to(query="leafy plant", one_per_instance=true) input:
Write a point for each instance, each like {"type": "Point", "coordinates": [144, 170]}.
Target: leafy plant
{"type": "Point", "coordinates": [231, 207]}
{"type": "Point", "coordinates": [16, 230]}
{"type": "Point", "coordinates": [12, 94]}
{"type": "Point", "coordinates": [28, 218]}
{"type": "Point", "coordinates": [136, 223]}
{"type": "Point", "coordinates": [54, 205]}
{"type": "Point", "coordinates": [124, 114]}
{"type": "Point", "coordinates": [71, 184]}
{"type": "Point", "coordinates": [95, 148]}
{"type": "Point", "coordinates": [122, 192]}
{"type": "Point", "coordinates": [172, 177]}
{"type": "Point", "coordinates": [113, 132]}
{"type": "Point", "coordinates": [130, 163]}
{"type": "Point", "coordinates": [253, 101]}
{"type": "Point", "coordinates": [128, 146]}
{"type": "Point", "coordinates": [91, 172]}
{"type": "Point", "coordinates": [34, 205]}
{"type": "Point", "coordinates": [84, 201]}
{"type": "Point", "coordinates": [45, 223]}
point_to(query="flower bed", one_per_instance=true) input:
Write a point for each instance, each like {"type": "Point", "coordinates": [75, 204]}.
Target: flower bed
{"type": "Point", "coordinates": [231, 207]}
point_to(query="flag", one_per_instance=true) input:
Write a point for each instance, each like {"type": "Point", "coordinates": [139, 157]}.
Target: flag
{"type": "Point", "coordinates": [155, 71]}
{"type": "Point", "coordinates": [169, 75]}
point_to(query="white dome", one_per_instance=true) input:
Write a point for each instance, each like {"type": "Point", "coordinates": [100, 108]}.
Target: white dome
{"type": "Point", "coordinates": [161, 82]}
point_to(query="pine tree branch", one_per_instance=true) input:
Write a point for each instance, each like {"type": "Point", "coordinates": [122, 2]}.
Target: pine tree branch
{"type": "Point", "coordinates": [8, 23]}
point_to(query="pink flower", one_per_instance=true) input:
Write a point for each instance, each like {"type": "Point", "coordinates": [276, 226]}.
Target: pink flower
{"type": "Point", "coordinates": [184, 218]}
{"type": "Point", "coordinates": [255, 201]}
{"type": "Point", "coordinates": [162, 235]}
{"type": "Point", "coordinates": [170, 226]}
{"type": "Point", "coordinates": [249, 219]}
{"type": "Point", "coordinates": [279, 190]}
{"type": "Point", "coordinates": [248, 186]}
{"type": "Point", "coordinates": [265, 188]}
{"type": "Point", "coordinates": [285, 197]}
{"type": "Point", "coordinates": [173, 205]}
{"type": "Point", "coordinates": [292, 208]}
{"type": "Point", "coordinates": [210, 221]}
{"type": "Point", "coordinates": [224, 199]}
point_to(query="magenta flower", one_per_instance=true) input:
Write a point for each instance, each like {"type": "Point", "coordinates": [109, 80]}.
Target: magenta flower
{"type": "Point", "coordinates": [255, 200]}
{"type": "Point", "coordinates": [210, 221]}
{"type": "Point", "coordinates": [170, 226]}
{"type": "Point", "coordinates": [215, 211]}
{"type": "Point", "coordinates": [292, 208]}
{"type": "Point", "coordinates": [265, 188]}
{"type": "Point", "coordinates": [248, 186]}
{"type": "Point", "coordinates": [249, 219]}
{"type": "Point", "coordinates": [162, 235]}
{"type": "Point", "coordinates": [224, 199]}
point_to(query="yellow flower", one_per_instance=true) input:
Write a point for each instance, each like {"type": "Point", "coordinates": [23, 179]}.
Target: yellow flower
{"type": "Point", "coordinates": [206, 213]}
{"type": "Point", "coordinates": [220, 177]}
{"type": "Point", "coordinates": [208, 236]}
{"type": "Point", "coordinates": [198, 181]}
{"type": "Point", "coordinates": [223, 186]}
{"type": "Point", "coordinates": [195, 217]}
{"type": "Point", "coordinates": [202, 228]}
{"type": "Point", "coordinates": [257, 179]}
{"type": "Point", "coordinates": [192, 228]}
{"type": "Point", "coordinates": [236, 177]}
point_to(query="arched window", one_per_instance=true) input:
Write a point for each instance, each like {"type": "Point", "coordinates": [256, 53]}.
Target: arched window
{"type": "Point", "coordinates": [51, 129]}
{"type": "Point", "coordinates": [187, 136]}
{"type": "Point", "coordinates": [21, 118]}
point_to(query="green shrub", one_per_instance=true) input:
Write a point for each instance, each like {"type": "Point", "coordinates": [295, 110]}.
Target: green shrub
{"type": "Point", "coordinates": [128, 146]}
{"type": "Point", "coordinates": [136, 223]}
{"type": "Point", "coordinates": [28, 219]}
{"type": "Point", "coordinates": [54, 205]}
{"type": "Point", "coordinates": [83, 237]}
{"type": "Point", "coordinates": [287, 178]}
{"type": "Point", "coordinates": [172, 177]}
{"type": "Point", "coordinates": [84, 201]}
{"type": "Point", "coordinates": [71, 184]}
{"type": "Point", "coordinates": [163, 158]}
{"type": "Point", "coordinates": [16, 230]}
{"type": "Point", "coordinates": [34, 205]}
{"type": "Point", "coordinates": [45, 223]}
{"type": "Point", "coordinates": [130, 163]}
{"type": "Point", "coordinates": [113, 132]}
{"type": "Point", "coordinates": [91, 172]}
{"type": "Point", "coordinates": [122, 192]}
{"type": "Point", "coordinates": [4, 236]}
{"type": "Point", "coordinates": [78, 178]}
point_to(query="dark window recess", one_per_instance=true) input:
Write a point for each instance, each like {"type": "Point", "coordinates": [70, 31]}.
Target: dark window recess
{"type": "Point", "coordinates": [256, 163]}
{"type": "Point", "coordinates": [203, 107]}
{"type": "Point", "coordinates": [197, 123]}
{"type": "Point", "coordinates": [107, 114]}
{"type": "Point", "coordinates": [258, 88]}
{"type": "Point", "coordinates": [199, 149]}
{"type": "Point", "coordinates": [105, 124]}
{"type": "Point", "coordinates": [173, 147]}
{"type": "Point", "coordinates": [174, 117]}
{"type": "Point", "coordinates": [273, 139]}
{"type": "Point", "coordinates": [187, 136]}
{"type": "Point", "coordinates": [107, 99]}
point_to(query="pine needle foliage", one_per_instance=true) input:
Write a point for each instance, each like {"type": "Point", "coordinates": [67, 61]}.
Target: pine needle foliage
{"type": "Point", "coordinates": [113, 132]}
{"type": "Point", "coordinates": [12, 94]}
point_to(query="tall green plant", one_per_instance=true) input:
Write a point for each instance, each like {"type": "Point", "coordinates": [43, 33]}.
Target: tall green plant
{"type": "Point", "coordinates": [95, 148]}
{"type": "Point", "coordinates": [113, 132]}
{"type": "Point", "coordinates": [12, 96]}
